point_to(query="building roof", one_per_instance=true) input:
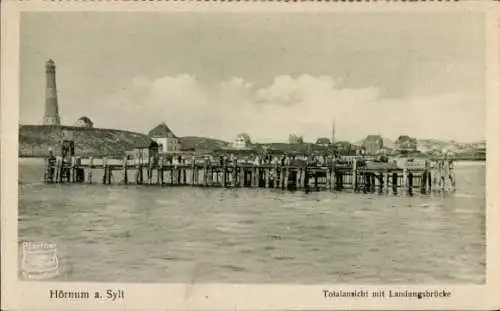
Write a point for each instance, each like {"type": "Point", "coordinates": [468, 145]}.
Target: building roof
{"type": "Point", "coordinates": [245, 137]}
{"type": "Point", "coordinates": [373, 137]}
{"type": "Point", "coordinates": [85, 119]}
{"type": "Point", "coordinates": [323, 140]}
{"type": "Point", "coordinates": [405, 138]}
{"type": "Point", "coordinates": [161, 130]}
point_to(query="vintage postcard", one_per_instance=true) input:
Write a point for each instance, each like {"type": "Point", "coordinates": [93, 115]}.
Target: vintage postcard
{"type": "Point", "coordinates": [250, 155]}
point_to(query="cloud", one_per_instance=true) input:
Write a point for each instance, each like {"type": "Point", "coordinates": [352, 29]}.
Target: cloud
{"type": "Point", "coordinates": [305, 105]}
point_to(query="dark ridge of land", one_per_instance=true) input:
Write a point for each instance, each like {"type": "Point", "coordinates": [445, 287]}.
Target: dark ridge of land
{"type": "Point", "coordinates": [201, 144]}
{"type": "Point", "coordinates": [35, 140]}
{"type": "Point", "coordinates": [292, 148]}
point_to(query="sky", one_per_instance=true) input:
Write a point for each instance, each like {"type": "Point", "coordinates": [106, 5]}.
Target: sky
{"type": "Point", "coordinates": [268, 75]}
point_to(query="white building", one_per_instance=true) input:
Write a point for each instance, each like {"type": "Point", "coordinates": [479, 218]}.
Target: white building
{"type": "Point", "coordinates": [84, 122]}
{"type": "Point", "coordinates": [166, 139]}
{"type": "Point", "coordinates": [241, 141]}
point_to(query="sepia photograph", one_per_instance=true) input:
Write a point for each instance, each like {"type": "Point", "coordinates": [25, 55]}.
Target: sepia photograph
{"type": "Point", "coordinates": [292, 148]}
{"type": "Point", "coordinates": [166, 147]}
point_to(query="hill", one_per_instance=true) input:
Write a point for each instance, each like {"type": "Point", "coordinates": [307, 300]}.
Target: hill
{"type": "Point", "coordinates": [389, 143]}
{"type": "Point", "coordinates": [201, 143]}
{"type": "Point", "coordinates": [35, 140]}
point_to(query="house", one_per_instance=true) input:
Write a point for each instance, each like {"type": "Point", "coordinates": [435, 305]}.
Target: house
{"type": "Point", "coordinates": [294, 139]}
{"type": "Point", "coordinates": [344, 148]}
{"type": "Point", "coordinates": [84, 122]}
{"type": "Point", "coordinates": [241, 141]}
{"type": "Point", "coordinates": [372, 144]}
{"type": "Point", "coordinates": [479, 145]}
{"type": "Point", "coordinates": [166, 139]}
{"type": "Point", "coordinates": [323, 141]}
{"type": "Point", "coordinates": [406, 143]}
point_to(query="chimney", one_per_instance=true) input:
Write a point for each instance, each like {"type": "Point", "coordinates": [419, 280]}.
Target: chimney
{"type": "Point", "coordinates": [51, 116]}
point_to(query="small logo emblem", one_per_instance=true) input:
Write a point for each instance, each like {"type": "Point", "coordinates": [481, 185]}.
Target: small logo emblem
{"type": "Point", "coordinates": [39, 261]}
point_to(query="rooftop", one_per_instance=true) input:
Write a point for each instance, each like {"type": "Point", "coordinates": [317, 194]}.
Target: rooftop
{"type": "Point", "coordinates": [161, 130]}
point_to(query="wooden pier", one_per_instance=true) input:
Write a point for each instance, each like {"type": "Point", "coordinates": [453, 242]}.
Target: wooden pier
{"type": "Point", "coordinates": [335, 175]}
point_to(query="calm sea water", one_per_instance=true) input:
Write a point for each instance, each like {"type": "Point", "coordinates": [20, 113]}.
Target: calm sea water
{"type": "Point", "coordinates": [150, 234]}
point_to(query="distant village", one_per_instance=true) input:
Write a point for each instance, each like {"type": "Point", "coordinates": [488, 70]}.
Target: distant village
{"type": "Point", "coordinates": [168, 142]}
{"type": "Point", "coordinates": [372, 145]}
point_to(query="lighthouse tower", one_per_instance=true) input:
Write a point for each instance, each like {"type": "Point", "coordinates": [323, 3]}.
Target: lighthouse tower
{"type": "Point", "coordinates": [333, 132]}
{"type": "Point", "coordinates": [51, 116]}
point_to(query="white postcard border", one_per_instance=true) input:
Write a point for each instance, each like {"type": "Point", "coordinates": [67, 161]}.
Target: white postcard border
{"type": "Point", "coordinates": [18, 295]}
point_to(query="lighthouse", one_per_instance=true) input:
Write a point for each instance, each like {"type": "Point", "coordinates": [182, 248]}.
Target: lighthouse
{"type": "Point", "coordinates": [51, 116]}
{"type": "Point", "coordinates": [333, 132]}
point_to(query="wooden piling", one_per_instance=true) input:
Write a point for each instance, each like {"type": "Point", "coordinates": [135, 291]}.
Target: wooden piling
{"type": "Point", "coordinates": [125, 173]}
{"type": "Point", "coordinates": [282, 177]}
{"type": "Point", "coordinates": [71, 170]}
{"type": "Point", "coordinates": [298, 177]}
{"type": "Point", "coordinates": [224, 175]}
{"type": "Point", "coordinates": [150, 170]}
{"type": "Point", "coordinates": [287, 176]}
{"type": "Point", "coordinates": [161, 171]}
{"type": "Point", "coordinates": [61, 170]}
{"type": "Point", "coordinates": [193, 173]}
{"type": "Point", "coordinates": [257, 177]}
{"type": "Point", "coordinates": [178, 176]}
{"type": "Point", "coordinates": [105, 170]}
{"type": "Point", "coordinates": [332, 175]}
{"type": "Point", "coordinates": [205, 174]}
{"type": "Point", "coordinates": [267, 176]}
{"type": "Point", "coordinates": [410, 181]}
{"type": "Point", "coordinates": [137, 171]}
{"type": "Point", "coordinates": [354, 175]}
{"type": "Point", "coordinates": [89, 173]}
{"type": "Point", "coordinates": [110, 174]}
{"type": "Point", "coordinates": [394, 182]}
{"type": "Point", "coordinates": [381, 181]}
{"type": "Point", "coordinates": [336, 179]}
{"type": "Point", "coordinates": [328, 178]}
{"type": "Point", "coordinates": [276, 179]}
{"type": "Point", "coordinates": [56, 171]}
{"type": "Point", "coordinates": [234, 173]}
{"type": "Point", "coordinates": [242, 176]}
{"type": "Point", "coordinates": [366, 181]}
{"type": "Point", "coordinates": [303, 177]}
{"type": "Point", "coordinates": [423, 182]}
{"type": "Point", "coordinates": [210, 175]}
{"type": "Point", "coordinates": [429, 180]}
{"type": "Point", "coordinates": [404, 182]}
{"type": "Point", "coordinates": [48, 170]}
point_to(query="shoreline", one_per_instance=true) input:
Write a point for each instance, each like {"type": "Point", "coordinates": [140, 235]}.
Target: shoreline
{"type": "Point", "coordinates": [456, 159]}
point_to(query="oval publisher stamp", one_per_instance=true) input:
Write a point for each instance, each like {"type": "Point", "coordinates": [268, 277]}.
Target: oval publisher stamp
{"type": "Point", "coordinates": [39, 261]}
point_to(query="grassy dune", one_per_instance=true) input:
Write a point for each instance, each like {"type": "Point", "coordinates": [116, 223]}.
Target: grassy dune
{"type": "Point", "coordinates": [35, 140]}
